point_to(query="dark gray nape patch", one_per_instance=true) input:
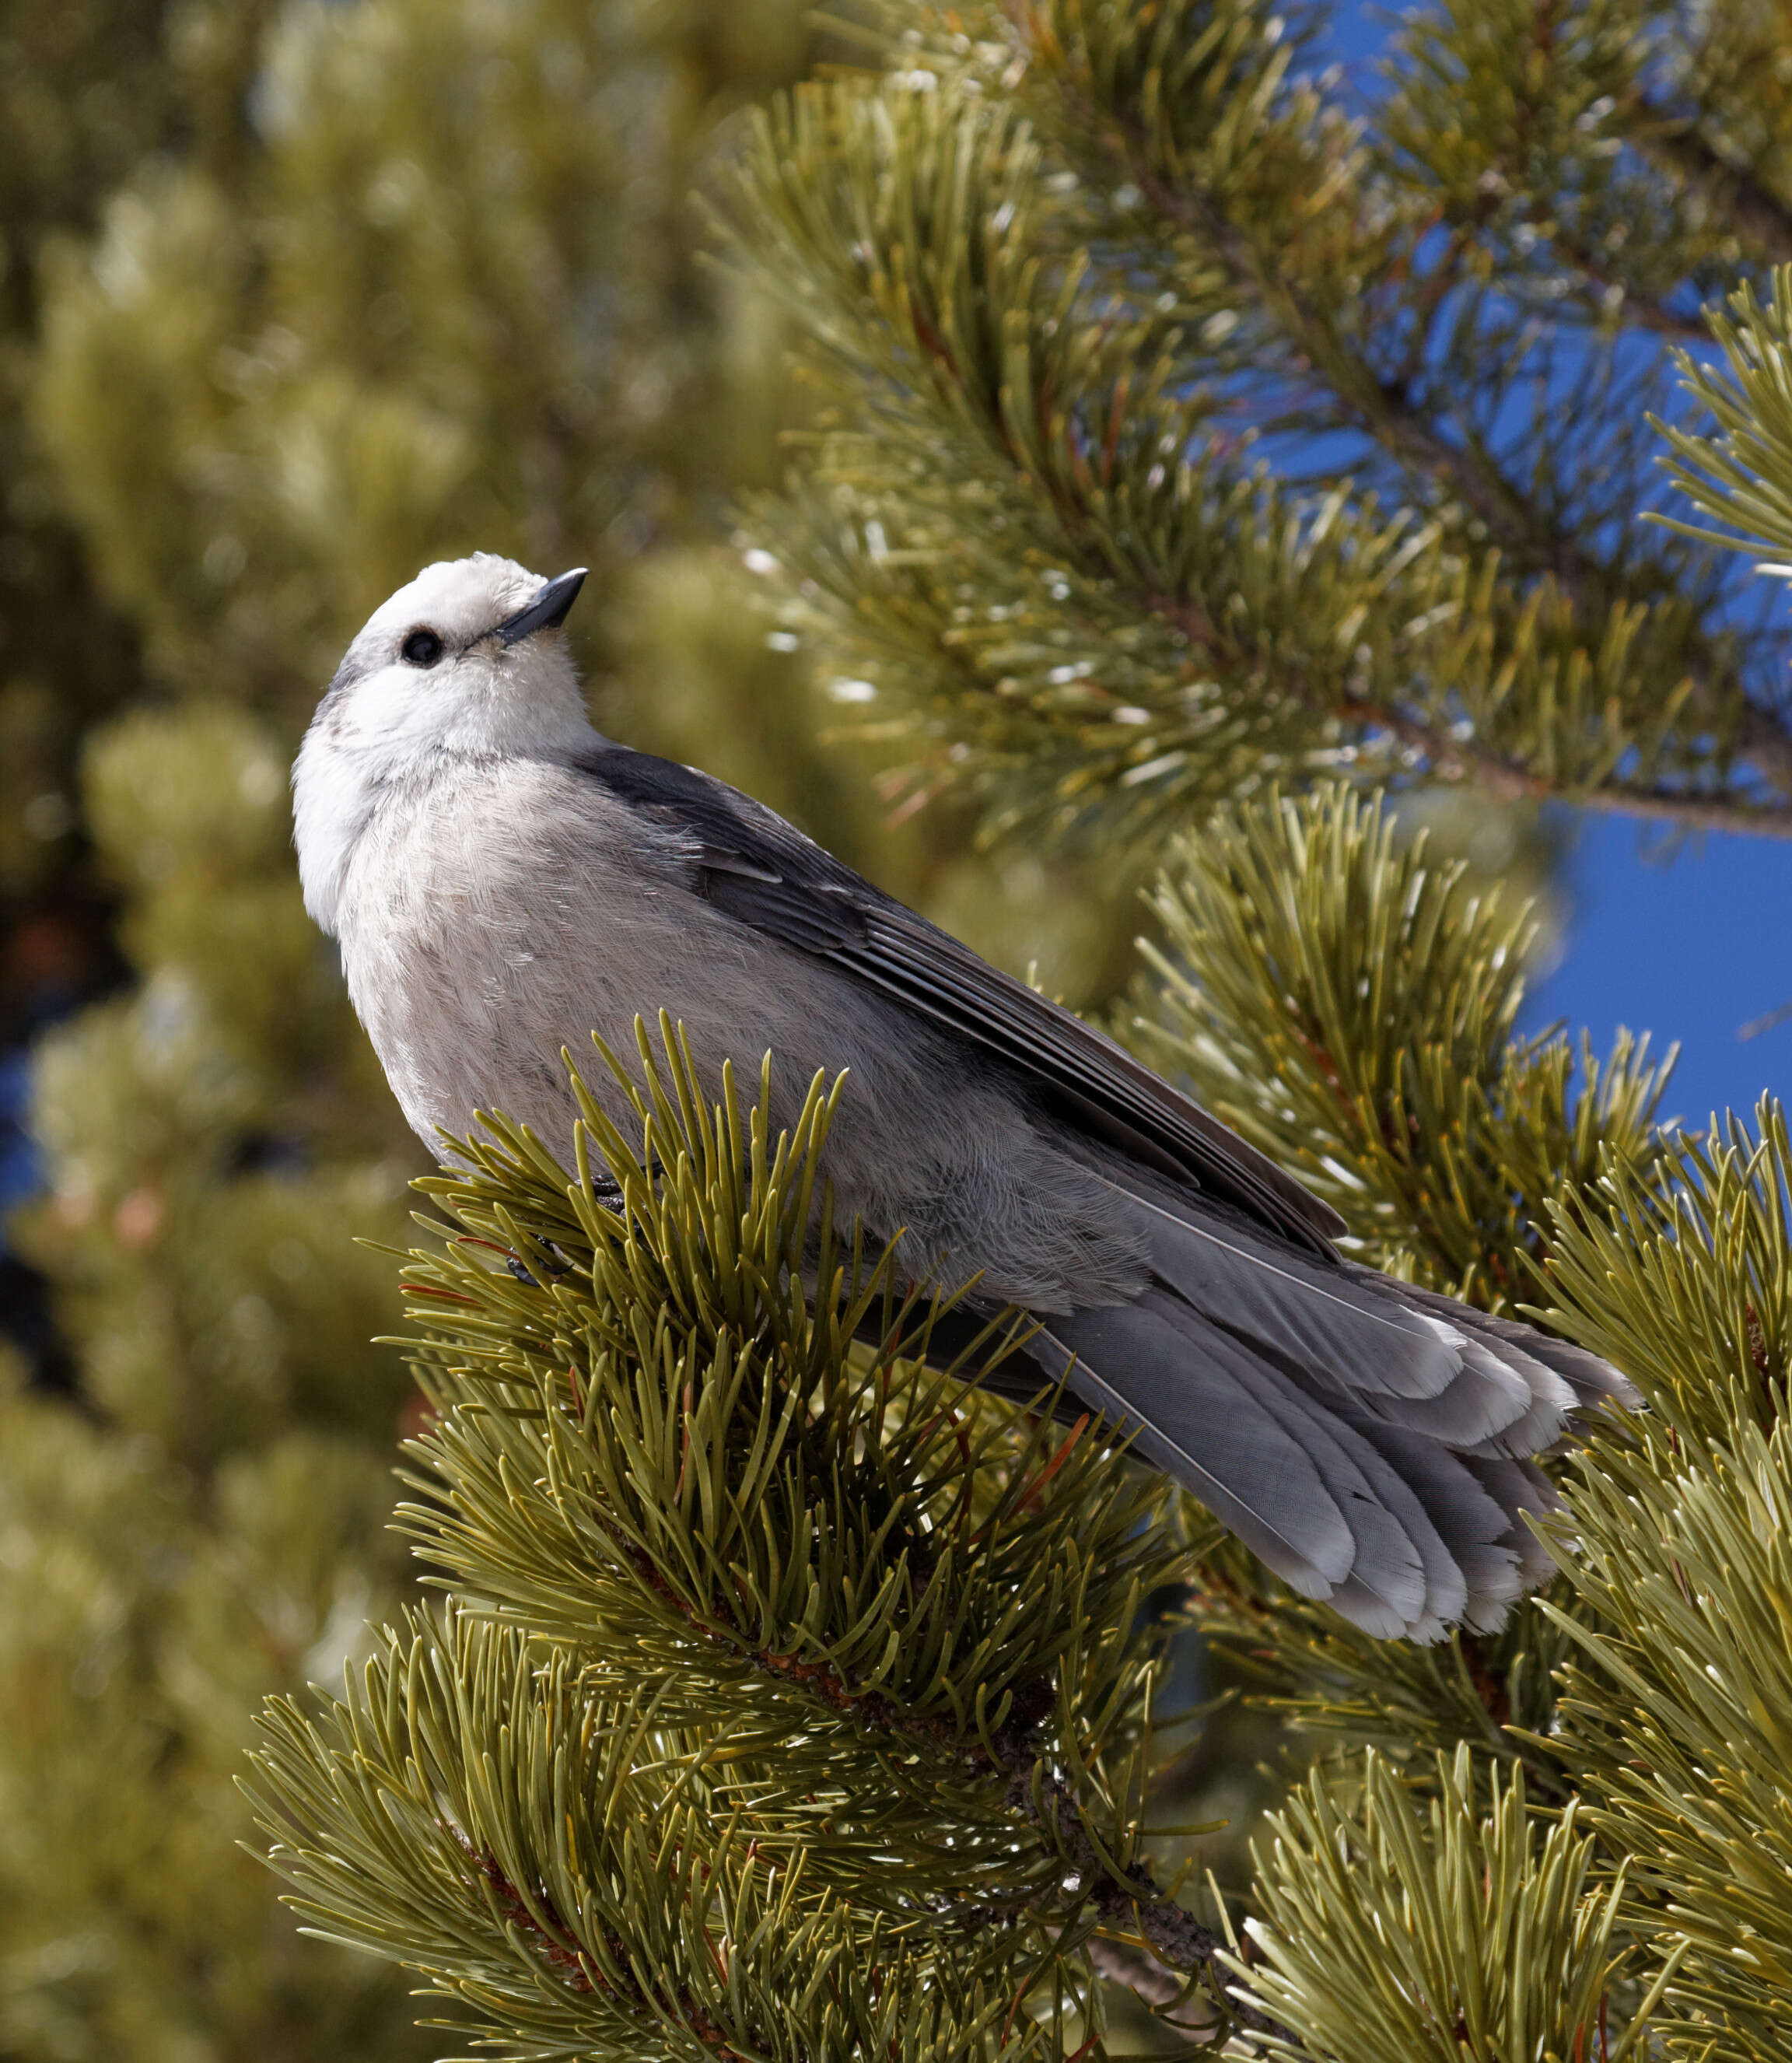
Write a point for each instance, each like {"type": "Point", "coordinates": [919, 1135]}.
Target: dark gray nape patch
{"type": "Point", "coordinates": [355, 667]}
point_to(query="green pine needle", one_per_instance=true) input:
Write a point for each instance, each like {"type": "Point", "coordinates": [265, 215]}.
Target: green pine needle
{"type": "Point", "coordinates": [1464, 1936]}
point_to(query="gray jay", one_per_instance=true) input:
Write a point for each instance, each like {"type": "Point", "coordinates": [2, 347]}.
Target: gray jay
{"type": "Point", "coordinates": [504, 880]}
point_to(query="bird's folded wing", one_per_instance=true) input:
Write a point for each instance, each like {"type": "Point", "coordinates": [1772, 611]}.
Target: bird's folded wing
{"type": "Point", "coordinates": [1368, 1440]}
{"type": "Point", "coordinates": [756, 869]}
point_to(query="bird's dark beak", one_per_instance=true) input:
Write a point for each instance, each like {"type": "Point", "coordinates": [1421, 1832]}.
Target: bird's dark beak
{"type": "Point", "coordinates": [547, 611]}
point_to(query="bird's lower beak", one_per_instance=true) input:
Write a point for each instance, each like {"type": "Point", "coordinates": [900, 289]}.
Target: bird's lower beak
{"type": "Point", "coordinates": [547, 610]}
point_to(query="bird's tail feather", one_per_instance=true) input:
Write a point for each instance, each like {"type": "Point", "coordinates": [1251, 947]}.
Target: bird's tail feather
{"type": "Point", "coordinates": [1402, 1535]}
{"type": "Point", "coordinates": [1369, 1441]}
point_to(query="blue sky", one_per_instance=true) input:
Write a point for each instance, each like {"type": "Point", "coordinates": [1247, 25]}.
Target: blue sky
{"type": "Point", "coordinates": [1689, 941]}
{"type": "Point", "coordinates": [1690, 947]}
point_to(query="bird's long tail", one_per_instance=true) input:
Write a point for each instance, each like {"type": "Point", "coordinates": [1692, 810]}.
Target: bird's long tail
{"type": "Point", "coordinates": [1371, 1443]}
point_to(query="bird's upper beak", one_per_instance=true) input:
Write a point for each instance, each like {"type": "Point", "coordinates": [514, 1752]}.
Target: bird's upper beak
{"type": "Point", "coordinates": [546, 612]}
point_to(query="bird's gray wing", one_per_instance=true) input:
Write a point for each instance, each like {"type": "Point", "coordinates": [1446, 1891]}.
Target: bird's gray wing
{"type": "Point", "coordinates": [1366, 1439]}
{"type": "Point", "coordinates": [765, 874]}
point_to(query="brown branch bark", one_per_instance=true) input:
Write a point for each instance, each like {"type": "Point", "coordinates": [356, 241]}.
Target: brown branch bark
{"type": "Point", "coordinates": [1170, 1947]}
{"type": "Point", "coordinates": [1643, 309]}
{"type": "Point", "coordinates": [1161, 1988]}
{"type": "Point", "coordinates": [1453, 759]}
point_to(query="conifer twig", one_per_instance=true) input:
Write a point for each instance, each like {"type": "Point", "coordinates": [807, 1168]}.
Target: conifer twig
{"type": "Point", "coordinates": [1736, 194]}
{"type": "Point", "coordinates": [1385, 406]}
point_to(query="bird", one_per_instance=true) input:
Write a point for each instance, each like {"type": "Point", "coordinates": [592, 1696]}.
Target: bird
{"type": "Point", "coordinates": [503, 881]}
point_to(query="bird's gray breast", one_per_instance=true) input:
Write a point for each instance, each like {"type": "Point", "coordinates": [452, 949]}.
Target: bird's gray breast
{"type": "Point", "coordinates": [500, 913]}
{"type": "Point", "coordinates": [497, 912]}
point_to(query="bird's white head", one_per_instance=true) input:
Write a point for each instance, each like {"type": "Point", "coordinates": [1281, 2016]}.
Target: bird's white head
{"type": "Point", "coordinates": [464, 663]}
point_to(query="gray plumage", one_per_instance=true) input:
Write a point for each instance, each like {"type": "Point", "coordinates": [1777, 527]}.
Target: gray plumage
{"type": "Point", "coordinates": [503, 881]}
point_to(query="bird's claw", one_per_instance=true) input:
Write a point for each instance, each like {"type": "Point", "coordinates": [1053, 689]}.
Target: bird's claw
{"type": "Point", "coordinates": [555, 1265]}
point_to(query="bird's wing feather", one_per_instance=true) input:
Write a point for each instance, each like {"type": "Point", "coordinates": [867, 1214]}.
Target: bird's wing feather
{"type": "Point", "coordinates": [760, 871]}
{"type": "Point", "coordinates": [1589, 1378]}
{"type": "Point", "coordinates": [1322, 1320]}
{"type": "Point", "coordinates": [1363, 1436]}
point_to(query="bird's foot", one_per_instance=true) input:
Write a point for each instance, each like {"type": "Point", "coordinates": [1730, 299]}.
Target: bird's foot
{"type": "Point", "coordinates": [553, 1266]}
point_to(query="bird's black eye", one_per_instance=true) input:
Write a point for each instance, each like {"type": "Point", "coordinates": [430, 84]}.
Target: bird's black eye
{"type": "Point", "coordinates": [422, 648]}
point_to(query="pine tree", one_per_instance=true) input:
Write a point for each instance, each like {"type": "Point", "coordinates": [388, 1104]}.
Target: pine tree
{"type": "Point", "coordinates": [84, 94]}
{"type": "Point", "coordinates": [207, 1524]}
{"type": "Point", "coordinates": [1203, 468]}
{"type": "Point", "coordinates": [86, 91]}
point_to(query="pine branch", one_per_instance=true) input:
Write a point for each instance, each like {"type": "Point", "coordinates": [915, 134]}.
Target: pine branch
{"type": "Point", "coordinates": [1095, 631]}
{"type": "Point", "coordinates": [808, 1657]}
{"type": "Point", "coordinates": [1174, 1963]}
{"type": "Point", "coordinates": [1462, 1933]}
{"type": "Point", "coordinates": [913, 235]}
{"type": "Point", "coordinates": [1518, 117]}
{"type": "Point", "coordinates": [1352, 1010]}
{"type": "Point", "coordinates": [580, 1881]}
{"type": "Point", "coordinates": [1734, 194]}
{"type": "Point", "coordinates": [1767, 741]}
{"type": "Point", "coordinates": [1646, 311]}
{"type": "Point", "coordinates": [1675, 1710]}
{"type": "Point", "coordinates": [1386, 406]}
{"type": "Point", "coordinates": [1496, 1693]}
{"type": "Point", "coordinates": [1445, 753]}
